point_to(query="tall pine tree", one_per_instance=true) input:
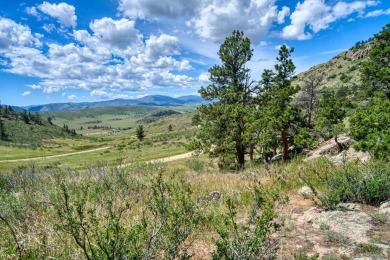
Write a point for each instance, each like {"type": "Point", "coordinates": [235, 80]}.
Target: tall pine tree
{"type": "Point", "coordinates": [223, 124]}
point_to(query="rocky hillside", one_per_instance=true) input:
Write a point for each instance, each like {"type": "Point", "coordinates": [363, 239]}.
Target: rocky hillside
{"type": "Point", "coordinates": [341, 72]}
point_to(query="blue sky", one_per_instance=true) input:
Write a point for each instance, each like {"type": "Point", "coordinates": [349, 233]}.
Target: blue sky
{"type": "Point", "coordinates": [77, 51]}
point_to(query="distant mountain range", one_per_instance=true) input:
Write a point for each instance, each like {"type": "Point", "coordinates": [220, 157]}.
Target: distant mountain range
{"type": "Point", "coordinates": [153, 100]}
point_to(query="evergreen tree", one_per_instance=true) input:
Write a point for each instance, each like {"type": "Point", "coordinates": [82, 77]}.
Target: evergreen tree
{"type": "Point", "coordinates": [25, 117]}
{"type": "Point", "coordinates": [370, 127]}
{"type": "Point", "coordinates": [140, 132]}
{"type": "Point", "coordinates": [3, 134]}
{"type": "Point", "coordinates": [376, 71]}
{"type": "Point", "coordinates": [329, 117]}
{"type": "Point", "coordinates": [170, 127]}
{"type": "Point", "coordinates": [276, 96]}
{"type": "Point", "coordinates": [223, 124]}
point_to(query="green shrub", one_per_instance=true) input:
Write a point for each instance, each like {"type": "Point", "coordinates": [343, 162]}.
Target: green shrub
{"type": "Point", "coordinates": [250, 239]}
{"type": "Point", "coordinates": [351, 183]}
{"type": "Point", "coordinates": [195, 164]}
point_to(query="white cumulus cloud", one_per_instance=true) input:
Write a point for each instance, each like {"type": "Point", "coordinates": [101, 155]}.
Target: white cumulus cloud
{"type": "Point", "coordinates": [63, 12]}
{"type": "Point", "coordinates": [13, 34]}
{"type": "Point", "coordinates": [150, 9]}
{"type": "Point", "coordinates": [26, 93]}
{"type": "Point", "coordinates": [377, 13]}
{"type": "Point", "coordinates": [317, 15]}
{"type": "Point", "coordinates": [212, 19]}
{"type": "Point", "coordinates": [101, 94]}
{"type": "Point", "coordinates": [72, 97]}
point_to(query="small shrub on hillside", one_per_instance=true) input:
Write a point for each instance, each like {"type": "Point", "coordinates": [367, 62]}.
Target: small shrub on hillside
{"type": "Point", "coordinates": [369, 185]}
{"type": "Point", "coordinates": [250, 239]}
{"type": "Point", "coordinates": [195, 165]}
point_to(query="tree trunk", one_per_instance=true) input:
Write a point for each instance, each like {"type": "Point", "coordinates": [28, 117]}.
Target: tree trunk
{"type": "Point", "coordinates": [240, 151]}
{"type": "Point", "coordinates": [339, 145]}
{"type": "Point", "coordinates": [285, 144]}
{"type": "Point", "coordinates": [251, 151]}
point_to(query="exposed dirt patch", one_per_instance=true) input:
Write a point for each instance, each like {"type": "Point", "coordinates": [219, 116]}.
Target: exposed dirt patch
{"type": "Point", "coordinates": [341, 233]}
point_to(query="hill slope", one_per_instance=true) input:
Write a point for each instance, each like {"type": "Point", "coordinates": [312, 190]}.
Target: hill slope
{"type": "Point", "coordinates": [342, 71]}
{"type": "Point", "coordinates": [153, 100]}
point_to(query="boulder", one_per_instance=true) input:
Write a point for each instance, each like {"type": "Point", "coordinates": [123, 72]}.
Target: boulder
{"type": "Point", "coordinates": [305, 191]}
{"type": "Point", "coordinates": [348, 206]}
{"type": "Point", "coordinates": [385, 208]}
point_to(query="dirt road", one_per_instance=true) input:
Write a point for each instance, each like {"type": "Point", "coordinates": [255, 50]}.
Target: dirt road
{"type": "Point", "coordinates": [173, 158]}
{"type": "Point", "coordinates": [55, 156]}
{"type": "Point", "coordinates": [166, 159]}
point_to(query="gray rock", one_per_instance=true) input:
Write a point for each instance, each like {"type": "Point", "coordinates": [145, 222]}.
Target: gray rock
{"type": "Point", "coordinates": [305, 191]}
{"type": "Point", "coordinates": [385, 208]}
{"type": "Point", "coordinates": [349, 206]}
{"type": "Point", "coordinates": [351, 224]}
{"type": "Point", "coordinates": [215, 195]}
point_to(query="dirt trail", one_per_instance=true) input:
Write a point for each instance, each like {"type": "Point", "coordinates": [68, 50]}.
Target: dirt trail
{"type": "Point", "coordinates": [173, 158]}
{"type": "Point", "coordinates": [166, 159]}
{"type": "Point", "coordinates": [55, 156]}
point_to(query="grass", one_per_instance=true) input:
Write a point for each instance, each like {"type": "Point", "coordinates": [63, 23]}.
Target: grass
{"type": "Point", "coordinates": [28, 191]}
{"type": "Point", "coordinates": [159, 141]}
{"type": "Point", "coordinates": [201, 175]}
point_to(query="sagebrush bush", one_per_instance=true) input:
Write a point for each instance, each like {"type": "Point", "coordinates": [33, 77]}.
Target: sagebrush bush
{"type": "Point", "coordinates": [250, 238]}
{"type": "Point", "coordinates": [352, 183]}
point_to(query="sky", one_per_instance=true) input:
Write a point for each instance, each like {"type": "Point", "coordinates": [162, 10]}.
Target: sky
{"type": "Point", "coordinates": [84, 51]}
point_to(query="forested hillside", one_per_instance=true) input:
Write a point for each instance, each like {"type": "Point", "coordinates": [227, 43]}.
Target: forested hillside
{"type": "Point", "coordinates": [24, 128]}
{"type": "Point", "coordinates": [348, 95]}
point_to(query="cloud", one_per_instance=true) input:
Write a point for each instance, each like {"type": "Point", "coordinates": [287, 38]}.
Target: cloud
{"type": "Point", "coordinates": [211, 19]}
{"type": "Point", "coordinates": [49, 27]}
{"type": "Point", "coordinates": [317, 15]}
{"type": "Point", "coordinates": [116, 33]}
{"type": "Point", "coordinates": [204, 77]}
{"type": "Point", "coordinates": [33, 11]}
{"type": "Point", "coordinates": [377, 13]}
{"type": "Point", "coordinates": [13, 34]}
{"type": "Point", "coordinates": [63, 12]}
{"type": "Point", "coordinates": [72, 97]}
{"type": "Point", "coordinates": [26, 93]}
{"type": "Point", "coordinates": [150, 9]}
{"type": "Point", "coordinates": [101, 94]}
{"type": "Point", "coordinates": [283, 14]}
{"type": "Point", "coordinates": [113, 57]}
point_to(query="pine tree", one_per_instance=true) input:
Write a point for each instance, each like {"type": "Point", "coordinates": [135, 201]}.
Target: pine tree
{"type": "Point", "coordinates": [223, 124]}
{"type": "Point", "coordinates": [376, 71]}
{"type": "Point", "coordinates": [275, 99]}
{"type": "Point", "coordinates": [140, 132]}
{"type": "Point", "coordinates": [330, 115]}
{"type": "Point", "coordinates": [170, 127]}
{"type": "Point", "coordinates": [3, 134]}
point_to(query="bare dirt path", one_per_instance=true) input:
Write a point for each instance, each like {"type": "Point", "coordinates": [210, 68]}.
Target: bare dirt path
{"type": "Point", "coordinates": [166, 159]}
{"type": "Point", "coordinates": [55, 156]}
{"type": "Point", "coordinates": [173, 158]}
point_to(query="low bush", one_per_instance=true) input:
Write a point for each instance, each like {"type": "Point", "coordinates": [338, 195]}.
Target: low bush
{"type": "Point", "coordinates": [364, 184]}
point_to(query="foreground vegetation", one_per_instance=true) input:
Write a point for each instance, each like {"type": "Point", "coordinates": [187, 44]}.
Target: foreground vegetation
{"type": "Point", "coordinates": [164, 211]}
{"type": "Point", "coordinates": [111, 204]}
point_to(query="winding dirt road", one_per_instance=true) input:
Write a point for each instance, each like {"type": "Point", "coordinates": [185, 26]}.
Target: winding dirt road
{"type": "Point", "coordinates": [173, 158]}
{"type": "Point", "coordinates": [166, 159]}
{"type": "Point", "coordinates": [54, 156]}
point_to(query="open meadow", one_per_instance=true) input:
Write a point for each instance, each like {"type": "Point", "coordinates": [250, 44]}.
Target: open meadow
{"type": "Point", "coordinates": [112, 133]}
